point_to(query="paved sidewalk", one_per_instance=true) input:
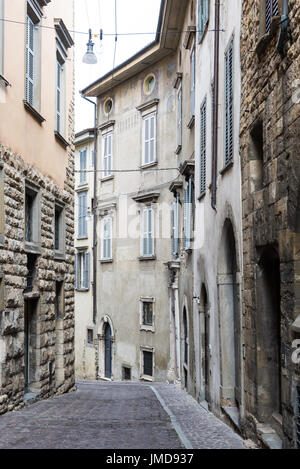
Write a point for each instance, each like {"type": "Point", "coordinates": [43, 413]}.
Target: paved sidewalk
{"type": "Point", "coordinates": [116, 416]}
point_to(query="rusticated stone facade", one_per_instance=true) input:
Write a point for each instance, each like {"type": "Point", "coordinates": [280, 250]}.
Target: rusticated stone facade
{"type": "Point", "coordinates": [270, 158]}
{"type": "Point", "coordinates": [53, 344]}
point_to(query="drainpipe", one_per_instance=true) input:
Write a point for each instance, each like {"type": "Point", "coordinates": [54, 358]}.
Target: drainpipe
{"type": "Point", "coordinates": [94, 209]}
{"type": "Point", "coordinates": [215, 106]}
{"type": "Point", "coordinates": [284, 26]}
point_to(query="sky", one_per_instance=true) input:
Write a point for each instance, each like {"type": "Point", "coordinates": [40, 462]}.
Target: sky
{"type": "Point", "coordinates": [133, 16]}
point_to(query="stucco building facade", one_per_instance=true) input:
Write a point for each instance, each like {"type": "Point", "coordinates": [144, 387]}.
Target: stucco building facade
{"type": "Point", "coordinates": [37, 210]}
{"type": "Point", "coordinates": [270, 126]}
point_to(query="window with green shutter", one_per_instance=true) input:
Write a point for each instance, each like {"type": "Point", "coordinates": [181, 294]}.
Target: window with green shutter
{"type": "Point", "coordinates": [229, 104]}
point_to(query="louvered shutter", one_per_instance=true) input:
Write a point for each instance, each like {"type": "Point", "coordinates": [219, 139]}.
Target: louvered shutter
{"type": "Point", "coordinates": [193, 83]}
{"type": "Point", "coordinates": [150, 232]}
{"type": "Point", "coordinates": [145, 233]}
{"type": "Point", "coordinates": [179, 98]}
{"type": "Point", "coordinates": [147, 141]}
{"type": "Point", "coordinates": [152, 138]}
{"type": "Point", "coordinates": [87, 270]}
{"type": "Point", "coordinates": [109, 156]}
{"type": "Point", "coordinates": [82, 166]}
{"type": "Point", "coordinates": [79, 216]}
{"type": "Point", "coordinates": [272, 9]}
{"type": "Point", "coordinates": [77, 274]}
{"type": "Point", "coordinates": [185, 216]}
{"type": "Point", "coordinates": [173, 227]}
{"type": "Point", "coordinates": [58, 95]}
{"type": "Point", "coordinates": [229, 104]}
{"type": "Point", "coordinates": [203, 150]}
{"type": "Point", "coordinates": [30, 61]}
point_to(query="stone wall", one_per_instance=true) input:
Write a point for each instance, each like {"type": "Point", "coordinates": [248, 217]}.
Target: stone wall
{"type": "Point", "coordinates": [13, 269]}
{"type": "Point", "coordinates": [270, 157]}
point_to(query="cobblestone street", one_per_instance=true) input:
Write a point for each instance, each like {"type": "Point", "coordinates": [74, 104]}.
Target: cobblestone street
{"type": "Point", "coordinates": [117, 416]}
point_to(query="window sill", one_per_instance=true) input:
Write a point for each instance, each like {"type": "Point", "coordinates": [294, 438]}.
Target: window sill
{"type": "Point", "coordinates": [82, 186]}
{"type": "Point", "coordinates": [149, 165]}
{"type": "Point", "coordinates": [226, 167]}
{"type": "Point", "coordinates": [178, 149]}
{"type": "Point", "coordinates": [147, 378]}
{"type": "Point", "coordinates": [4, 81]}
{"type": "Point", "coordinates": [202, 196]}
{"type": "Point", "coordinates": [60, 256]}
{"type": "Point", "coordinates": [106, 261]}
{"type": "Point", "coordinates": [150, 258]}
{"type": "Point", "coordinates": [267, 37]}
{"type": "Point", "coordinates": [85, 238]}
{"type": "Point", "coordinates": [82, 290]}
{"type": "Point", "coordinates": [191, 123]}
{"type": "Point", "coordinates": [147, 328]}
{"type": "Point", "coordinates": [61, 139]}
{"type": "Point", "coordinates": [107, 178]}
{"type": "Point", "coordinates": [37, 116]}
{"type": "Point", "coordinates": [32, 248]}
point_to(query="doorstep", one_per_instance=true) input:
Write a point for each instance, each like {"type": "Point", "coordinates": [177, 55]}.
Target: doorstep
{"type": "Point", "coordinates": [269, 437]}
{"type": "Point", "coordinates": [233, 414]}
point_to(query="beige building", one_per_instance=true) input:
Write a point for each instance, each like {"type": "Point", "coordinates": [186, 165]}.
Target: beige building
{"type": "Point", "coordinates": [84, 193]}
{"type": "Point", "coordinates": [37, 183]}
{"type": "Point", "coordinates": [137, 115]}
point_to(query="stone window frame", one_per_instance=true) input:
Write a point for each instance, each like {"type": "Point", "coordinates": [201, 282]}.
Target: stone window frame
{"type": "Point", "coordinates": [147, 327]}
{"type": "Point", "coordinates": [88, 331]}
{"type": "Point", "coordinates": [143, 349]}
{"type": "Point", "coordinates": [34, 246]}
{"type": "Point", "coordinates": [61, 252]}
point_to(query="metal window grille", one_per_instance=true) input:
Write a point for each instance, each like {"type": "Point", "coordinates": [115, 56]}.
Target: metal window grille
{"type": "Point", "coordinates": [229, 104]}
{"type": "Point", "coordinates": [272, 9]}
{"type": "Point", "coordinates": [148, 363]}
{"type": "Point", "coordinates": [203, 150]}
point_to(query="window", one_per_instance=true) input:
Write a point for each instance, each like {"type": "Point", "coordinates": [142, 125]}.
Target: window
{"type": "Point", "coordinates": [147, 363]}
{"type": "Point", "coordinates": [60, 97]}
{"type": "Point", "coordinates": [203, 149]}
{"type": "Point", "coordinates": [59, 235]}
{"type": "Point", "coordinates": [90, 336]}
{"type": "Point", "coordinates": [82, 267]}
{"type": "Point", "coordinates": [188, 203]}
{"type": "Point", "coordinates": [33, 56]}
{"type": "Point", "coordinates": [179, 117]}
{"type": "Point", "coordinates": [175, 226]}
{"type": "Point", "coordinates": [149, 84]}
{"type": "Point", "coordinates": [107, 239]}
{"type": "Point", "coordinates": [148, 232]}
{"type": "Point", "coordinates": [32, 217]}
{"type": "Point", "coordinates": [107, 155]}
{"type": "Point", "coordinates": [82, 213]}
{"type": "Point", "coordinates": [1, 37]}
{"type": "Point", "coordinates": [108, 105]}
{"type": "Point", "coordinates": [229, 104]}
{"type": "Point", "coordinates": [149, 139]}
{"type": "Point", "coordinates": [32, 272]}
{"type": "Point", "coordinates": [193, 73]}
{"type": "Point", "coordinates": [126, 373]}
{"type": "Point", "coordinates": [272, 9]}
{"type": "Point", "coordinates": [203, 16]}
{"type": "Point", "coordinates": [147, 312]}
{"type": "Point", "coordinates": [83, 166]}
{"type": "Point", "coordinates": [59, 300]}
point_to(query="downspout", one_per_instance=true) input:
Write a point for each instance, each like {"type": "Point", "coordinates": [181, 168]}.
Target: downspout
{"type": "Point", "coordinates": [284, 26]}
{"type": "Point", "coordinates": [215, 106]}
{"type": "Point", "coordinates": [94, 209]}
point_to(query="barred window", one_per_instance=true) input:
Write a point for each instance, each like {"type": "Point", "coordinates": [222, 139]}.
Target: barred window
{"type": "Point", "coordinates": [272, 9]}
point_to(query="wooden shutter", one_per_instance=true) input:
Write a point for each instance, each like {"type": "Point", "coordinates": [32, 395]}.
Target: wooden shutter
{"type": "Point", "coordinates": [149, 139]}
{"type": "Point", "coordinates": [185, 216]}
{"type": "Point", "coordinates": [148, 363]}
{"type": "Point", "coordinates": [203, 150]}
{"type": "Point", "coordinates": [203, 16]}
{"type": "Point", "coordinates": [86, 276]}
{"type": "Point", "coordinates": [82, 166]}
{"type": "Point", "coordinates": [107, 155]}
{"type": "Point", "coordinates": [150, 232]}
{"type": "Point", "coordinates": [77, 273]}
{"type": "Point", "coordinates": [179, 124]}
{"type": "Point", "coordinates": [152, 138]}
{"type": "Point", "coordinates": [82, 209]}
{"type": "Point", "coordinates": [30, 61]}
{"type": "Point", "coordinates": [58, 95]}
{"type": "Point", "coordinates": [107, 239]}
{"type": "Point", "coordinates": [175, 228]}
{"type": "Point", "coordinates": [229, 104]}
{"type": "Point", "coordinates": [193, 83]}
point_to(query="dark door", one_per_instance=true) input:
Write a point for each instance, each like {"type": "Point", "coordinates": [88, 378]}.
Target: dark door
{"type": "Point", "coordinates": [207, 358]}
{"type": "Point", "coordinates": [107, 351]}
{"type": "Point", "coordinates": [26, 343]}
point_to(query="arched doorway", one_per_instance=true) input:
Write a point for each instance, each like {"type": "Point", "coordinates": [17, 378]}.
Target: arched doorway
{"type": "Point", "coordinates": [268, 334]}
{"type": "Point", "coordinates": [185, 348]}
{"type": "Point", "coordinates": [108, 351]}
{"type": "Point", "coordinates": [204, 346]}
{"type": "Point", "coordinates": [229, 318]}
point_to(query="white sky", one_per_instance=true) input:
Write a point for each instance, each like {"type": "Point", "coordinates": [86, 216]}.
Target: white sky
{"type": "Point", "coordinates": [133, 16]}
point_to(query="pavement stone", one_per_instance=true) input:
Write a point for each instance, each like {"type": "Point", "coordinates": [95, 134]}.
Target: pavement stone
{"type": "Point", "coordinates": [103, 415]}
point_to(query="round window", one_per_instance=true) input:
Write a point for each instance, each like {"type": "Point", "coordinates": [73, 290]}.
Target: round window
{"type": "Point", "coordinates": [108, 106]}
{"type": "Point", "coordinates": [149, 84]}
